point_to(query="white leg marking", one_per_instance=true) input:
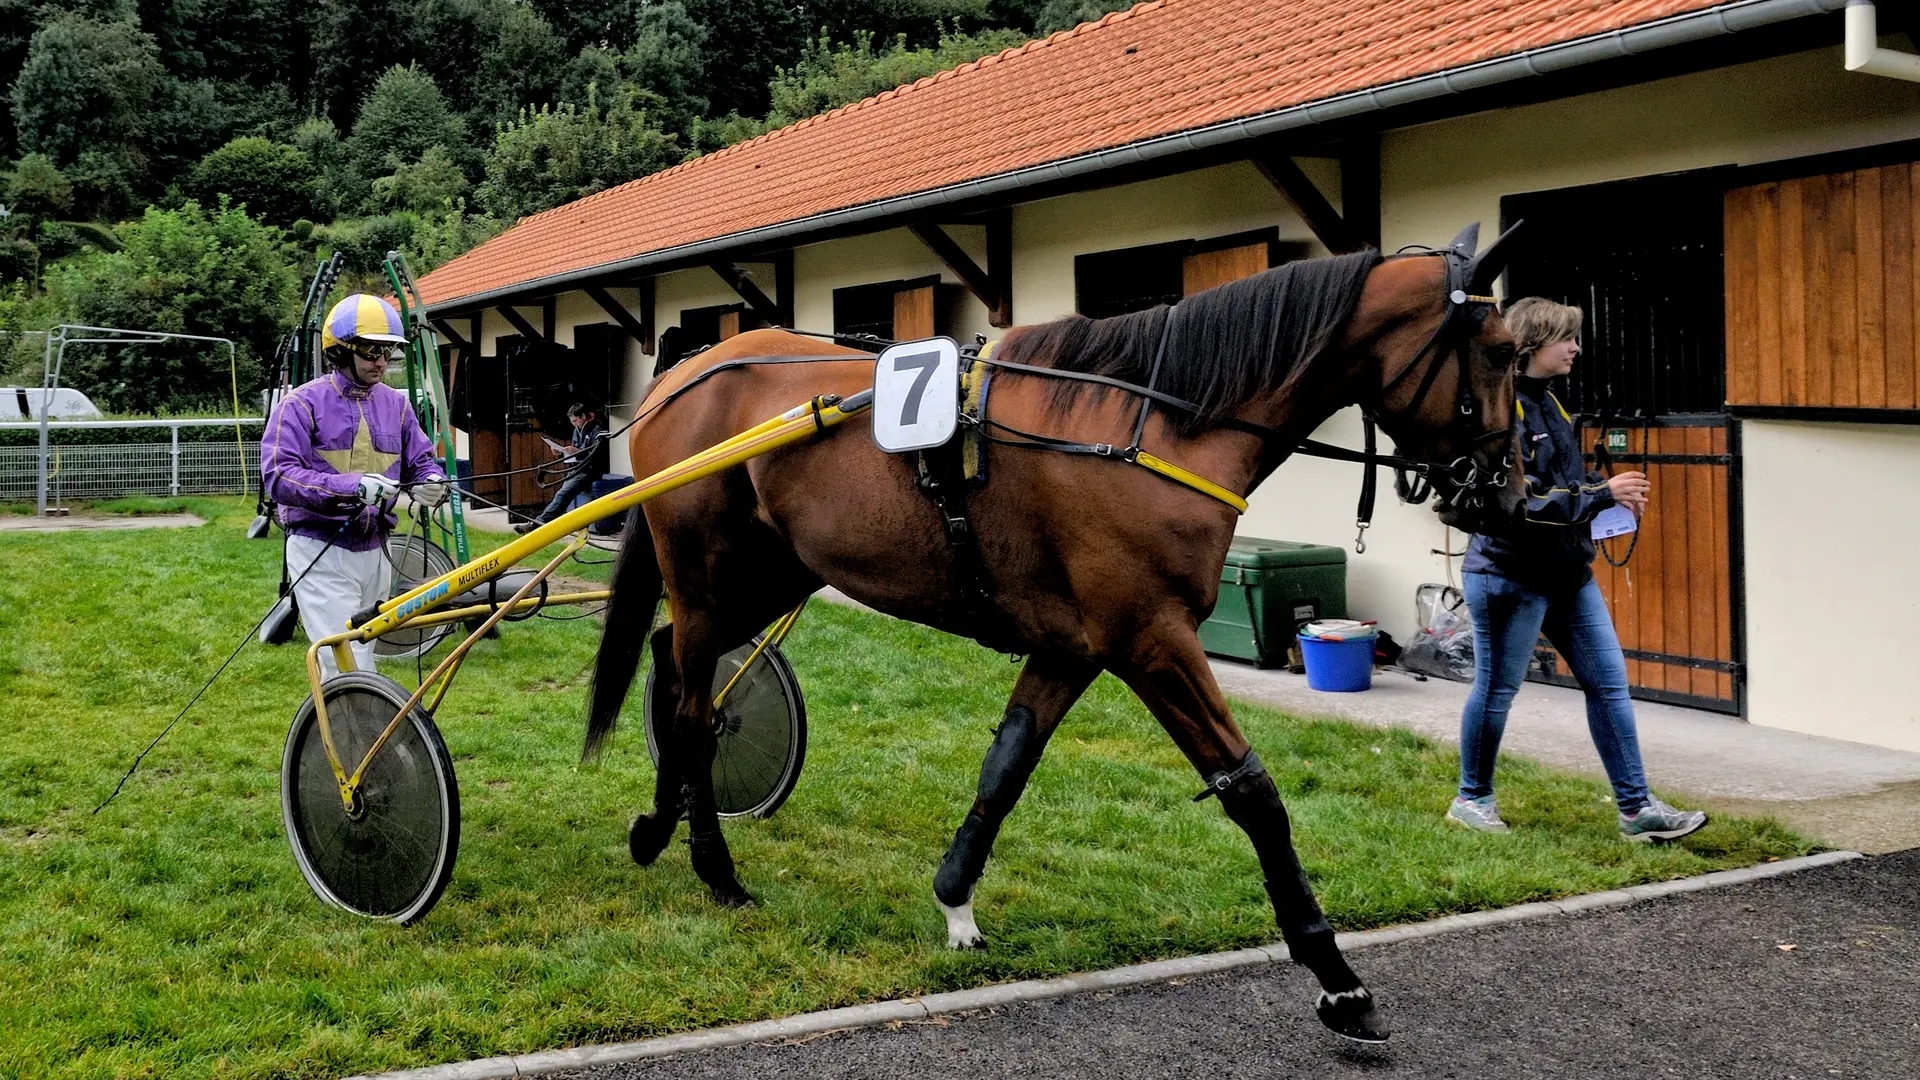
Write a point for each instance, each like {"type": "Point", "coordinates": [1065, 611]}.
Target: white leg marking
{"type": "Point", "coordinates": [1358, 993]}
{"type": "Point", "coordinates": [962, 932]}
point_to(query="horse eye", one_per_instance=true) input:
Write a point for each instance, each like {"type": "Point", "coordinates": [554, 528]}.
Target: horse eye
{"type": "Point", "coordinates": [1501, 356]}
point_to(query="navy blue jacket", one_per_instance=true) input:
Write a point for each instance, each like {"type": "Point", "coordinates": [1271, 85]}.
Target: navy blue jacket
{"type": "Point", "coordinates": [1552, 547]}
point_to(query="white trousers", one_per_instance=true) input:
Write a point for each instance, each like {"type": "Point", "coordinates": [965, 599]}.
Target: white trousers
{"type": "Point", "coordinates": [339, 584]}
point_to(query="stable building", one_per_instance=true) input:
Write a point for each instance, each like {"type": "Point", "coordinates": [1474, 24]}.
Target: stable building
{"type": "Point", "coordinates": [1734, 209]}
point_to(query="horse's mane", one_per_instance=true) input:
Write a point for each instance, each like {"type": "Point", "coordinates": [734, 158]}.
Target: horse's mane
{"type": "Point", "coordinates": [1225, 345]}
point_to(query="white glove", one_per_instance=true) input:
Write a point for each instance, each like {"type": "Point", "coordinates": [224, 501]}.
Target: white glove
{"type": "Point", "coordinates": [430, 493]}
{"type": "Point", "coordinates": [375, 488]}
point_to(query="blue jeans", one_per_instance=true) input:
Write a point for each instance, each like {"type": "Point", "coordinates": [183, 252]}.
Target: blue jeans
{"type": "Point", "coordinates": [1508, 618]}
{"type": "Point", "coordinates": [573, 486]}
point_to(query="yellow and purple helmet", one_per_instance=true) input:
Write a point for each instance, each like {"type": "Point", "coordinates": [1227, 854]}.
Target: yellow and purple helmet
{"type": "Point", "coordinates": [360, 321]}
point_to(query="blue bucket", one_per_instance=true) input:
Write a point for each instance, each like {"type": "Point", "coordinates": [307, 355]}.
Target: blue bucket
{"type": "Point", "coordinates": [1338, 666]}
{"type": "Point", "coordinates": [463, 475]}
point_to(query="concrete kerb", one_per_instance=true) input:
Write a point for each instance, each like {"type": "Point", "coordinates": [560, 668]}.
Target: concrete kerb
{"type": "Point", "coordinates": [921, 1008]}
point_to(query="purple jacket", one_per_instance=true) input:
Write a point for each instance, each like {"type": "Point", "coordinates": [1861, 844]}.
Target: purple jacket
{"type": "Point", "coordinates": [324, 435]}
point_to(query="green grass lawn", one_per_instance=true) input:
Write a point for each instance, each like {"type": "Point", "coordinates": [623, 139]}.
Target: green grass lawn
{"type": "Point", "coordinates": [171, 935]}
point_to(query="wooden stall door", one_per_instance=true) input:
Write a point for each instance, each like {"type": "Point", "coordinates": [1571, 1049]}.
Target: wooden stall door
{"type": "Point", "coordinates": [1676, 599]}
{"type": "Point", "coordinates": [1823, 305]}
{"type": "Point", "coordinates": [526, 450]}
{"type": "Point", "coordinates": [1205, 269]}
{"type": "Point", "coordinates": [489, 453]}
{"type": "Point", "coordinates": [913, 313]}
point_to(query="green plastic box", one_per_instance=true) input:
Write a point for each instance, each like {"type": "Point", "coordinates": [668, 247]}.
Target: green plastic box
{"type": "Point", "coordinates": [1268, 589]}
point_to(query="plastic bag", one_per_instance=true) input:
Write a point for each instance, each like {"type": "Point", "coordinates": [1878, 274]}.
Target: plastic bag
{"type": "Point", "coordinates": [1443, 645]}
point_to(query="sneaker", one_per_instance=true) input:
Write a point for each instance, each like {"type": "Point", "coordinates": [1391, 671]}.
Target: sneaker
{"type": "Point", "coordinates": [526, 527]}
{"type": "Point", "coordinates": [1480, 814]}
{"type": "Point", "coordinates": [1658, 821]}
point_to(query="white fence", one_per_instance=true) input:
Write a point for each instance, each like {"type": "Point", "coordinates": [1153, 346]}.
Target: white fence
{"type": "Point", "coordinates": [110, 470]}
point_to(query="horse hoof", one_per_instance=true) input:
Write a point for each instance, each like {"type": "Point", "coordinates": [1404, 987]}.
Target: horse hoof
{"type": "Point", "coordinates": [1351, 1015]}
{"type": "Point", "coordinates": [648, 836]}
{"type": "Point", "coordinates": [962, 931]}
{"type": "Point", "coordinates": [731, 896]}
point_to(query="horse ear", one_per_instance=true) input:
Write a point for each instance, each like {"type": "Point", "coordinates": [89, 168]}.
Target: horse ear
{"type": "Point", "coordinates": [1487, 265]}
{"type": "Point", "coordinates": [1468, 240]}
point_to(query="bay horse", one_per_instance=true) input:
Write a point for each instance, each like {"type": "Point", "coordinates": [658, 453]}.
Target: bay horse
{"type": "Point", "coordinates": [1081, 564]}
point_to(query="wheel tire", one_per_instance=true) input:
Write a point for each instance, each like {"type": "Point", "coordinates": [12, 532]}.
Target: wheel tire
{"type": "Point", "coordinates": [394, 858]}
{"type": "Point", "coordinates": [414, 559]}
{"type": "Point", "coordinates": [762, 733]}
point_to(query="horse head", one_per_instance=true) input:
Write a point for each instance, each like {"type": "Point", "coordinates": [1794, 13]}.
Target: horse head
{"type": "Point", "coordinates": [1444, 388]}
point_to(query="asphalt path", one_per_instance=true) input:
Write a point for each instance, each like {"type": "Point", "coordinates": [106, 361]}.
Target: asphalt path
{"type": "Point", "coordinates": [1800, 977]}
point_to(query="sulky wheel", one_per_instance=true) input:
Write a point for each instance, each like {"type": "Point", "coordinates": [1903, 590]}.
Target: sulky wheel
{"type": "Point", "coordinates": [761, 729]}
{"type": "Point", "coordinates": [415, 559]}
{"type": "Point", "coordinates": [391, 858]}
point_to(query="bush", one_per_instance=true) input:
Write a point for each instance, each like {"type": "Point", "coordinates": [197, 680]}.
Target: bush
{"type": "Point", "coordinates": [272, 180]}
{"type": "Point", "coordinates": [555, 155]}
{"type": "Point", "coordinates": [216, 273]}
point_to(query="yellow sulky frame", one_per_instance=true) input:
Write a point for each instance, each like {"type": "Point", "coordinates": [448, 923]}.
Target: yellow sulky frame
{"type": "Point", "coordinates": [418, 607]}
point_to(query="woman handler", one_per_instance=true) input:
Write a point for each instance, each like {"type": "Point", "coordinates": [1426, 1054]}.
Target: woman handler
{"type": "Point", "coordinates": [1538, 577]}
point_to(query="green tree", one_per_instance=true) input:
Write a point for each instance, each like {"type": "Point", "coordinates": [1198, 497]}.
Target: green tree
{"type": "Point", "coordinates": [452, 231]}
{"type": "Point", "coordinates": [219, 273]}
{"type": "Point", "coordinates": [1056, 15]}
{"type": "Point", "coordinates": [86, 85]}
{"type": "Point", "coordinates": [272, 180]}
{"type": "Point", "coordinates": [669, 58]}
{"type": "Point", "coordinates": [556, 154]}
{"type": "Point", "coordinates": [351, 39]}
{"type": "Point", "coordinates": [402, 116]}
{"type": "Point", "coordinates": [520, 65]}
{"type": "Point", "coordinates": [424, 187]}
{"type": "Point", "coordinates": [748, 42]}
{"type": "Point", "coordinates": [336, 186]}
{"type": "Point", "coordinates": [36, 187]}
{"type": "Point", "coordinates": [830, 75]}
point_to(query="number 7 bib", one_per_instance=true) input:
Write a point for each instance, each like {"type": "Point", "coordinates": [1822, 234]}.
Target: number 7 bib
{"type": "Point", "coordinates": [916, 395]}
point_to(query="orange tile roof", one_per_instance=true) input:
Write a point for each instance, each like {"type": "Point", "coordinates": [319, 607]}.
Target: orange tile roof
{"type": "Point", "coordinates": [1163, 67]}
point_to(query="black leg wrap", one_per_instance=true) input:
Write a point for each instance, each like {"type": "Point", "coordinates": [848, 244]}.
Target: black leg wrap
{"type": "Point", "coordinates": [649, 834]}
{"type": "Point", "coordinates": [712, 860]}
{"type": "Point", "coordinates": [1009, 764]}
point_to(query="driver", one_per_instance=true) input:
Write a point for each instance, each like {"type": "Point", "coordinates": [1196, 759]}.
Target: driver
{"type": "Point", "coordinates": [333, 457]}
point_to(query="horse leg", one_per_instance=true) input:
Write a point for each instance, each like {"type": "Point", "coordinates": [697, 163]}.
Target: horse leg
{"type": "Point", "coordinates": [649, 834]}
{"type": "Point", "coordinates": [1168, 670]}
{"type": "Point", "coordinates": [1047, 688]}
{"type": "Point", "coordinates": [696, 655]}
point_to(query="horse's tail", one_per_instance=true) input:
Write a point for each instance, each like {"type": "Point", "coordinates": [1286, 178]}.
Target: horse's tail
{"type": "Point", "coordinates": [636, 589]}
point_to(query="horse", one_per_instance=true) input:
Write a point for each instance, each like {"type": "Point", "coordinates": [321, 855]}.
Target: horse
{"type": "Point", "coordinates": [1077, 560]}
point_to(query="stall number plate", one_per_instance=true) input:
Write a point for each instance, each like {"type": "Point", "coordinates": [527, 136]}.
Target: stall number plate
{"type": "Point", "coordinates": [916, 395]}
{"type": "Point", "coordinates": [1616, 440]}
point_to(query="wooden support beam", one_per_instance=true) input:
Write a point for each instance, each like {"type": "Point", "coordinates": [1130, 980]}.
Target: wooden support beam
{"type": "Point", "coordinates": [647, 325]}
{"type": "Point", "coordinates": [548, 318]}
{"type": "Point", "coordinates": [635, 328]}
{"type": "Point", "coordinates": [783, 286]}
{"type": "Point", "coordinates": [1313, 207]}
{"type": "Point", "coordinates": [737, 279]}
{"type": "Point", "coordinates": [447, 331]}
{"type": "Point", "coordinates": [1000, 265]}
{"type": "Point", "coordinates": [520, 323]}
{"type": "Point", "coordinates": [991, 288]}
{"type": "Point", "coordinates": [1360, 188]}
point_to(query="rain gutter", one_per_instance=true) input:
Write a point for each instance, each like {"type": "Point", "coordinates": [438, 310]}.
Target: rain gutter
{"type": "Point", "coordinates": [1715, 22]}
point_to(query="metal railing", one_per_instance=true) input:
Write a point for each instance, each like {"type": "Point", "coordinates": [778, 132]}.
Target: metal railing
{"type": "Point", "coordinates": [110, 470]}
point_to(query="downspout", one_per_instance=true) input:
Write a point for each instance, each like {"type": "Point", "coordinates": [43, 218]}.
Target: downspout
{"type": "Point", "coordinates": [1864, 53]}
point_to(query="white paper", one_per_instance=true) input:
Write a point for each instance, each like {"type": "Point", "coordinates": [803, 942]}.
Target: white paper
{"type": "Point", "coordinates": [1615, 520]}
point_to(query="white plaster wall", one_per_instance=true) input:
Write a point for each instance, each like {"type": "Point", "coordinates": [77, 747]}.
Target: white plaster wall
{"type": "Point", "coordinates": [1833, 588]}
{"type": "Point", "coordinates": [896, 254]}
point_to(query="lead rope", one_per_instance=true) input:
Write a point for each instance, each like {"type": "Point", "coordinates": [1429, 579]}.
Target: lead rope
{"type": "Point", "coordinates": [1363, 514]}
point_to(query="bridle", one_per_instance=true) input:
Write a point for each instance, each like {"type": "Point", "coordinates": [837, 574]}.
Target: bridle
{"type": "Point", "coordinates": [1462, 482]}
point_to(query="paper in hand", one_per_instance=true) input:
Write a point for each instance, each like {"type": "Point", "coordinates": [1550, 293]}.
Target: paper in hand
{"type": "Point", "coordinates": [1615, 520]}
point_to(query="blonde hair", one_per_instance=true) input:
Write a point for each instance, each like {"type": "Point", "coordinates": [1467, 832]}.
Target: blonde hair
{"type": "Point", "coordinates": [1536, 321]}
